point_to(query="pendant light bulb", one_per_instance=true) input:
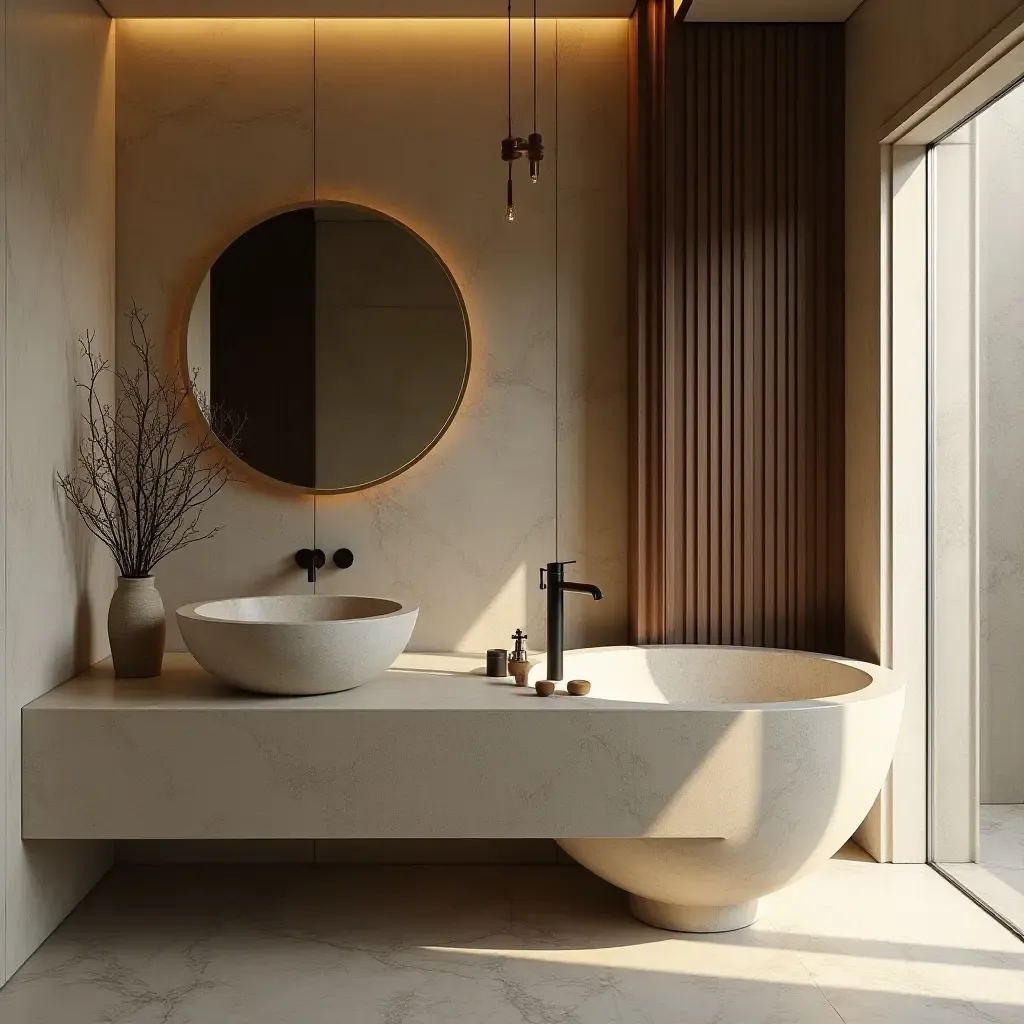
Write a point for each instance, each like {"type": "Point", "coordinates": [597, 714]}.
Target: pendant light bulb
{"type": "Point", "coordinates": [510, 210]}
{"type": "Point", "coordinates": [535, 151]}
{"type": "Point", "coordinates": [510, 213]}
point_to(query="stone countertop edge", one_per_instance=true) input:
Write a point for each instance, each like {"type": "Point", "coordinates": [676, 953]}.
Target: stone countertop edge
{"type": "Point", "coordinates": [417, 682]}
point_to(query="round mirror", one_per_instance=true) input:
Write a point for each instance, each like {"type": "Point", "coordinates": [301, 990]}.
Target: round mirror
{"type": "Point", "coordinates": [335, 340]}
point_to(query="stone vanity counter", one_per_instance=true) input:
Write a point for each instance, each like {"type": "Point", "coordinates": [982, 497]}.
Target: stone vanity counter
{"type": "Point", "coordinates": [432, 749]}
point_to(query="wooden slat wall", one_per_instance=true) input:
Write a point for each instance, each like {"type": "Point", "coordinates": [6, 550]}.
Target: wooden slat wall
{"type": "Point", "coordinates": [739, 397]}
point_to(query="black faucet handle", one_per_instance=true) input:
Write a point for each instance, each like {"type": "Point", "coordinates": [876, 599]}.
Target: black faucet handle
{"type": "Point", "coordinates": [553, 567]}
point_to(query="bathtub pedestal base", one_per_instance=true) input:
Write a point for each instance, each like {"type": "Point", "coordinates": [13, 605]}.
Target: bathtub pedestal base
{"type": "Point", "coordinates": [676, 918]}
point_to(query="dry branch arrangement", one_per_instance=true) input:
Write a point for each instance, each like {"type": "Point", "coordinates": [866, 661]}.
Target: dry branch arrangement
{"type": "Point", "coordinates": [144, 473]}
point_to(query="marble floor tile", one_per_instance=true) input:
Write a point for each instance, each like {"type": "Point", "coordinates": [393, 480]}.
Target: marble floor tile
{"type": "Point", "coordinates": [1002, 835]}
{"type": "Point", "coordinates": [899, 943]}
{"type": "Point", "coordinates": [312, 944]}
{"type": "Point", "coordinates": [998, 877]}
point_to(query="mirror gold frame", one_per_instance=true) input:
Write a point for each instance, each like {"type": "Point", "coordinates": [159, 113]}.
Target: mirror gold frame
{"type": "Point", "coordinates": [241, 468]}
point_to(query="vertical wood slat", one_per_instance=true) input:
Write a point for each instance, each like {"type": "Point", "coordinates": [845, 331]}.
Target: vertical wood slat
{"type": "Point", "coordinates": [745, 379]}
{"type": "Point", "coordinates": [689, 327]}
{"type": "Point", "coordinates": [770, 213]}
{"type": "Point", "coordinates": [802, 162]}
{"type": "Point", "coordinates": [754, 339]}
{"type": "Point", "coordinates": [648, 575]}
{"type": "Point", "coordinates": [713, 300]}
{"type": "Point", "coordinates": [725, 343]}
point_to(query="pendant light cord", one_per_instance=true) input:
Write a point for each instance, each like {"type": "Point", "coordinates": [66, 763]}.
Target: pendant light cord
{"type": "Point", "coordinates": [535, 65]}
{"type": "Point", "coordinates": [510, 73]}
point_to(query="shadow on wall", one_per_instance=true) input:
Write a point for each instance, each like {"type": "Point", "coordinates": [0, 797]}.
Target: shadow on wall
{"type": "Point", "coordinates": [87, 560]}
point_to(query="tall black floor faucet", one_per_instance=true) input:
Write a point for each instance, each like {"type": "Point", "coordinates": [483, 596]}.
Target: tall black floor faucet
{"type": "Point", "coordinates": [556, 586]}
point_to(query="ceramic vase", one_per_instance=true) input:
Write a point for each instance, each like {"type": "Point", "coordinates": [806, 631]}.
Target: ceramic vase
{"type": "Point", "coordinates": [136, 626]}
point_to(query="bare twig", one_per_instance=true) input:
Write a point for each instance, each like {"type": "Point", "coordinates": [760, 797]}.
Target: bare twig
{"type": "Point", "coordinates": [142, 477]}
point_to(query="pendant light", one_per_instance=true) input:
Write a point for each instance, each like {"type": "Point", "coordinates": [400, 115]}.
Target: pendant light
{"type": "Point", "coordinates": [513, 146]}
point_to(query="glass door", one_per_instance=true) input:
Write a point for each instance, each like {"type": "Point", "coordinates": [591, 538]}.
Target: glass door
{"type": "Point", "coordinates": [976, 506]}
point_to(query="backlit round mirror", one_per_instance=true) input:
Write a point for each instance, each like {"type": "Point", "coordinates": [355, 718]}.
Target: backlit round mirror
{"type": "Point", "coordinates": [338, 341]}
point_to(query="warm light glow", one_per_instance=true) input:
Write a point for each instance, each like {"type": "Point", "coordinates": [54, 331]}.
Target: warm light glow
{"type": "Point", "coordinates": [201, 26]}
{"type": "Point", "coordinates": [385, 23]}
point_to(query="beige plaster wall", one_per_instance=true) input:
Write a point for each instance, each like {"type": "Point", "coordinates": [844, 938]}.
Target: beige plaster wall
{"type": "Point", "coordinates": [220, 122]}
{"type": "Point", "coordinates": [58, 173]}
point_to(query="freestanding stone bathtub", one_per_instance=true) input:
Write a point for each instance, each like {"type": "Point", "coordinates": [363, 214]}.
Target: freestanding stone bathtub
{"type": "Point", "coordinates": [786, 753]}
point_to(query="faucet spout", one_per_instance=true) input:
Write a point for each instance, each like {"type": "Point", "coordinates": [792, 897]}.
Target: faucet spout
{"type": "Point", "coordinates": [584, 588]}
{"type": "Point", "coordinates": [310, 560]}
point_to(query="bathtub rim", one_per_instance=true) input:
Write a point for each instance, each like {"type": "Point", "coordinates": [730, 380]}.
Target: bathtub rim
{"type": "Point", "coordinates": [883, 682]}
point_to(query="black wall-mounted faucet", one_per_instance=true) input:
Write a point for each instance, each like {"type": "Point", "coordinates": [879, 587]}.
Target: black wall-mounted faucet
{"type": "Point", "coordinates": [310, 559]}
{"type": "Point", "coordinates": [556, 585]}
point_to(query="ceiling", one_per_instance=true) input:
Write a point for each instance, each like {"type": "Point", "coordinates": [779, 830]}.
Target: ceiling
{"type": "Point", "coordinates": [702, 10]}
{"type": "Point", "coordinates": [772, 10]}
{"type": "Point", "coordinates": [365, 8]}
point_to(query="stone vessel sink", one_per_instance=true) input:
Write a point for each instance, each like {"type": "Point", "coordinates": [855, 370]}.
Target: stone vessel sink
{"type": "Point", "coordinates": [296, 645]}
